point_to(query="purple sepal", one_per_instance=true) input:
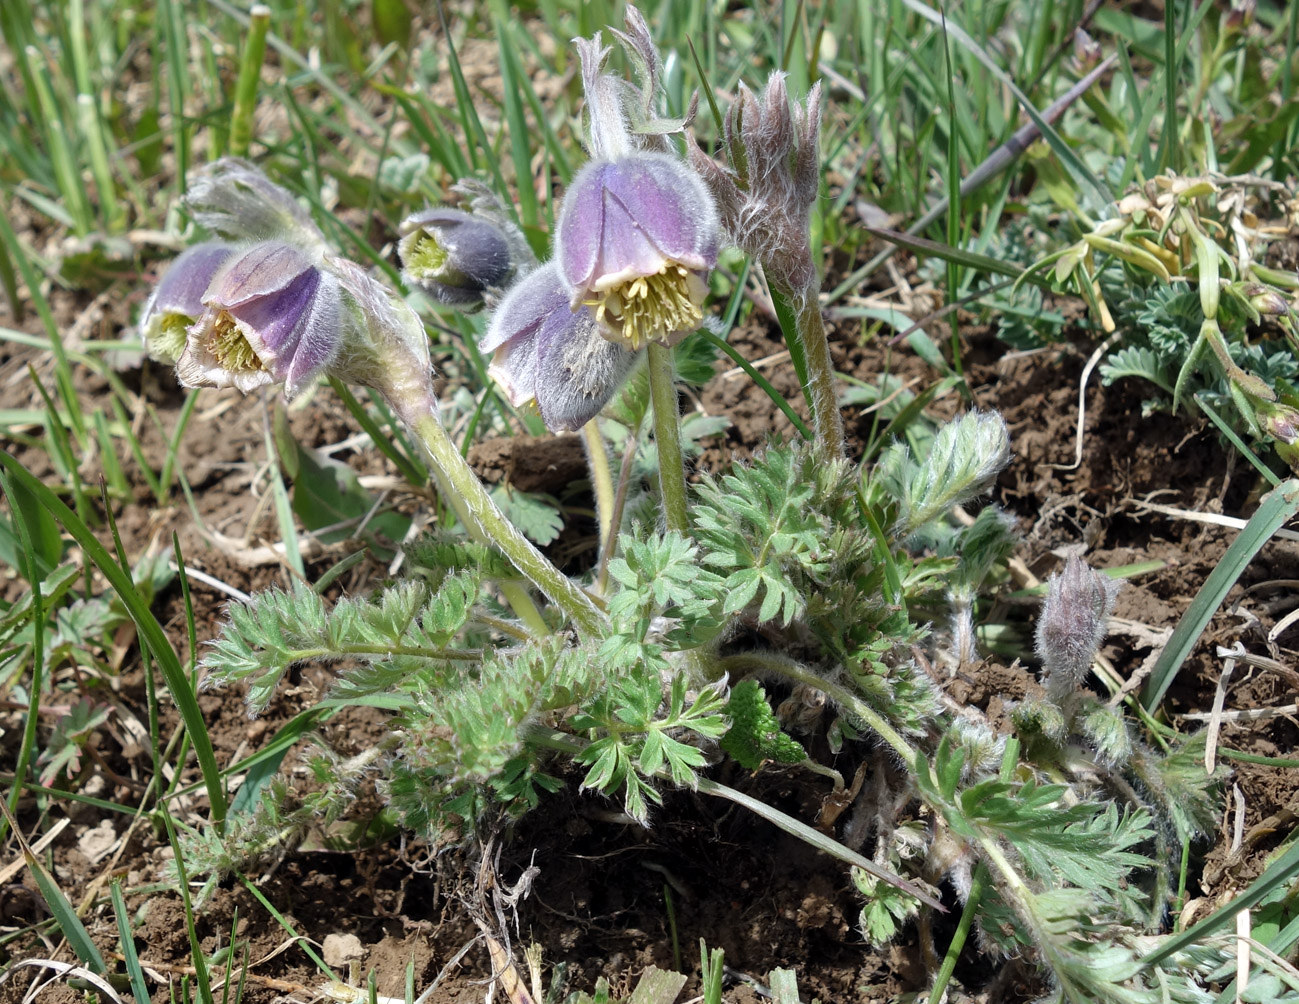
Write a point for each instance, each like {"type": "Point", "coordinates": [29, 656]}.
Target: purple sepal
{"type": "Point", "coordinates": [548, 352]}
{"type": "Point", "coordinates": [628, 218]}
{"type": "Point", "coordinates": [271, 316]}
{"type": "Point", "coordinates": [177, 300]}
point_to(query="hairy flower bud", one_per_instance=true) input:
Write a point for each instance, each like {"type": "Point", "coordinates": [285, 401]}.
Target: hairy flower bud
{"type": "Point", "coordinates": [636, 239]}
{"type": "Point", "coordinates": [177, 301]}
{"type": "Point", "coordinates": [547, 352]}
{"type": "Point", "coordinates": [1281, 422]}
{"type": "Point", "coordinates": [235, 200]}
{"type": "Point", "coordinates": [1073, 625]}
{"type": "Point", "coordinates": [271, 315]}
{"type": "Point", "coordinates": [766, 195]}
{"type": "Point", "coordinates": [454, 256]}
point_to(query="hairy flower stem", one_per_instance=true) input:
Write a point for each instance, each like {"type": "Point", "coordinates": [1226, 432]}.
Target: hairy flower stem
{"type": "Point", "coordinates": [667, 435]}
{"type": "Point", "coordinates": [481, 516]}
{"type": "Point", "coordinates": [820, 374]}
{"type": "Point", "coordinates": [597, 462]}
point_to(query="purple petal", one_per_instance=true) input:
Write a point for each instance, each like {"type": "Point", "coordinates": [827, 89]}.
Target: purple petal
{"type": "Point", "coordinates": [628, 218]}
{"type": "Point", "coordinates": [319, 339]}
{"type": "Point", "coordinates": [273, 323]}
{"type": "Point", "coordinates": [668, 200]}
{"type": "Point", "coordinates": [261, 269]}
{"type": "Point", "coordinates": [181, 289]}
{"type": "Point", "coordinates": [578, 369]}
{"type": "Point", "coordinates": [525, 307]}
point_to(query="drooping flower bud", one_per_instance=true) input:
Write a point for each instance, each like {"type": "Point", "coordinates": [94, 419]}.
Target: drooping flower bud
{"type": "Point", "coordinates": [766, 195]}
{"type": "Point", "coordinates": [454, 256]}
{"type": "Point", "coordinates": [1073, 625]}
{"type": "Point", "coordinates": [1281, 422]}
{"type": "Point", "coordinates": [271, 315]}
{"type": "Point", "coordinates": [177, 301]}
{"type": "Point", "coordinates": [636, 239]}
{"type": "Point", "coordinates": [235, 200]}
{"type": "Point", "coordinates": [547, 352]}
{"type": "Point", "coordinates": [1086, 51]}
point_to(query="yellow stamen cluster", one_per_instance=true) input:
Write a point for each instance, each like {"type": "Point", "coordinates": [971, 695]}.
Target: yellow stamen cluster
{"type": "Point", "coordinates": [649, 307]}
{"type": "Point", "coordinates": [169, 342]}
{"type": "Point", "coordinates": [230, 348]}
{"type": "Point", "coordinates": [426, 256]}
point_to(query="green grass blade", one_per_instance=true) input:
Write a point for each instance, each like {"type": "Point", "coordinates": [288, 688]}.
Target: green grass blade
{"type": "Point", "coordinates": [967, 259]}
{"type": "Point", "coordinates": [151, 632]}
{"type": "Point", "coordinates": [197, 958]}
{"type": "Point", "coordinates": [138, 987]}
{"type": "Point", "coordinates": [1072, 163]}
{"type": "Point", "coordinates": [250, 72]}
{"type": "Point", "coordinates": [34, 576]}
{"type": "Point", "coordinates": [64, 914]}
{"type": "Point", "coordinates": [788, 319]}
{"type": "Point", "coordinates": [1278, 876]}
{"type": "Point", "coordinates": [777, 398]}
{"type": "Point", "coordinates": [1278, 505]}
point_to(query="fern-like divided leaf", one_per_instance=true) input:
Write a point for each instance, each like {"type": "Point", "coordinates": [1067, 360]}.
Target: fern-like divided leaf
{"type": "Point", "coordinates": [778, 530]}
{"type": "Point", "coordinates": [397, 636]}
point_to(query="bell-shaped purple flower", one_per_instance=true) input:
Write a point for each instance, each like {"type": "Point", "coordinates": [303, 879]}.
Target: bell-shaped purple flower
{"type": "Point", "coordinates": [545, 351]}
{"type": "Point", "coordinates": [636, 239]}
{"type": "Point", "coordinates": [177, 301]}
{"type": "Point", "coordinates": [455, 256]}
{"type": "Point", "coordinates": [272, 315]}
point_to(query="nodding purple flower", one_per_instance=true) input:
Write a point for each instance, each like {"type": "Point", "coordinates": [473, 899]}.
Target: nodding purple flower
{"type": "Point", "coordinates": [455, 256]}
{"type": "Point", "coordinates": [271, 315]}
{"type": "Point", "coordinates": [177, 301]}
{"type": "Point", "coordinates": [547, 352]}
{"type": "Point", "coordinates": [637, 236]}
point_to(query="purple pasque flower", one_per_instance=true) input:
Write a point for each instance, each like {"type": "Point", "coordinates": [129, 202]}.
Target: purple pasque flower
{"type": "Point", "coordinates": [455, 256]}
{"type": "Point", "coordinates": [271, 315]}
{"type": "Point", "coordinates": [546, 351]}
{"type": "Point", "coordinates": [637, 236]}
{"type": "Point", "coordinates": [177, 300]}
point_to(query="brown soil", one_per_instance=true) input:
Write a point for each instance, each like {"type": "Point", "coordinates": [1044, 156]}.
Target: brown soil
{"type": "Point", "coordinates": [600, 901]}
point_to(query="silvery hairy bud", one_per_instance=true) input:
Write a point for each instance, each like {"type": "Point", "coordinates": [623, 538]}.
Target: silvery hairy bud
{"type": "Point", "coordinates": [1073, 625]}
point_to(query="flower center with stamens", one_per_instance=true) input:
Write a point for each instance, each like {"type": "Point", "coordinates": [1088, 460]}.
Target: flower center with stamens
{"type": "Point", "coordinates": [169, 343]}
{"type": "Point", "coordinates": [230, 348]}
{"type": "Point", "coordinates": [651, 307]}
{"type": "Point", "coordinates": [426, 257]}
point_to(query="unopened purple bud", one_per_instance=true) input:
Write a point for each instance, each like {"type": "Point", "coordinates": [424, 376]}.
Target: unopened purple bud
{"type": "Point", "coordinates": [636, 239]}
{"type": "Point", "coordinates": [1073, 624]}
{"type": "Point", "coordinates": [272, 315]}
{"type": "Point", "coordinates": [177, 300]}
{"type": "Point", "coordinates": [1086, 50]}
{"type": "Point", "coordinates": [235, 200]}
{"type": "Point", "coordinates": [547, 352]}
{"type": "Point", "coordinates": [454, 256]}
{"type": "Point", "coordinates": [1265, 299]}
